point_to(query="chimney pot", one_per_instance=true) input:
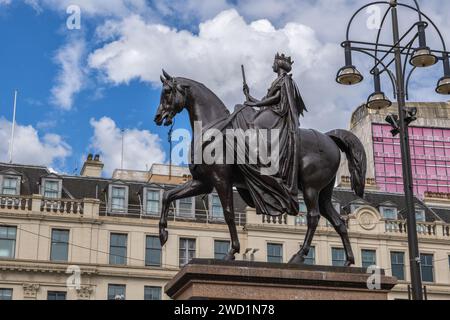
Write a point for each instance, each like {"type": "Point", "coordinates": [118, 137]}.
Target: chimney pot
{"type": "Point", "coordinates": [92, 167]}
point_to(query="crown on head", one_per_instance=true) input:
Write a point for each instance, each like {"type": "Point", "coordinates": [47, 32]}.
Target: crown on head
{"type": "Point", "coordinates": [283, 58]}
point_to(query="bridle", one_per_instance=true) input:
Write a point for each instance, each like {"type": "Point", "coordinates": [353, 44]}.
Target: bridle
{"type": "Point", "coordinates": [183, 90]}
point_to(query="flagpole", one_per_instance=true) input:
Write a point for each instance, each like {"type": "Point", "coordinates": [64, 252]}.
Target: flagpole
{"type": "Point", "coordinates": [11, 146]}
{"type": "Point", "coordinates": [121, 159]}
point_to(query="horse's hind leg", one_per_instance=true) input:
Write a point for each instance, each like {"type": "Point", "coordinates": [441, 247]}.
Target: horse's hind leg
{"type": "Point", "coordinates": [224, 188]}
{"type": "Point", "coordinates": [190, 189]}
{"type": "Point", "coordinates": [311, 197]}
{"type": "Point", "coordinates": [329, 212]}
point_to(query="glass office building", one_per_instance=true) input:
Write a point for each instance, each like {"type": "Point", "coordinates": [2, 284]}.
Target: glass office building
{"type": "Point", "coordinates": [430, 158]}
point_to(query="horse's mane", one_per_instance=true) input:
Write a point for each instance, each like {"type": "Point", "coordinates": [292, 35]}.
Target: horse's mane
{"type": "Point", "coordinates": [204, 93]}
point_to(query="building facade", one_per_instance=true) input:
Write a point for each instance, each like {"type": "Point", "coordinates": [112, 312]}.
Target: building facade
{"type": "Point", "coordinates": [87, 237]}
{"type": "Point", "coordinates": [429, 145]}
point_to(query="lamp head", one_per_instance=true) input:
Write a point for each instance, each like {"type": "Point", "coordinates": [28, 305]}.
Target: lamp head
{"type": "Point", "coordinates": [423, 57]}
{"type": "Point", "coordinates": [378, 101]}
{"type": "Point", "coordinates": [443, 85]}
{"type": "Point", "coordinates": [349, 75]}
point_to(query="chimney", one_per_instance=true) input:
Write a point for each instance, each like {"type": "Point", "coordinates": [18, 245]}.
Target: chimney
{"type": "Point", "coordinates": [92, 167]}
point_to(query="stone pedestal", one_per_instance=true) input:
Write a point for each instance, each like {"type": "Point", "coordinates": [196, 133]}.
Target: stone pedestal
{"type": "Point", "coordinates": [216, 279]}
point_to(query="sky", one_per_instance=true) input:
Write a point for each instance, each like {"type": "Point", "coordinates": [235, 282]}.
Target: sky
{"type": "Point", "coordinates": [88, 70]}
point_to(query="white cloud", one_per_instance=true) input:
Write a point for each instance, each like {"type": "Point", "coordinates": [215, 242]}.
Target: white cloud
{"type": "Point", "coordinates": [5, 2]}
{"type": "Point", "coordinates": [137, 45]}
{"type": "Point", "coordinates": [31, 148]}
{"type": "Point", "coordinates": [71, 75]}
{"type": "Point", "coordinates": [35, 5]}
{"type": "Point", "coordinates": [141, 147]}
{"type": "Point", "coordinates": [96, 7]}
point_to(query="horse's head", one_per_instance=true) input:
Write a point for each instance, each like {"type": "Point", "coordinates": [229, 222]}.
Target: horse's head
{"type": "Point", "coordinates": [173, 100]}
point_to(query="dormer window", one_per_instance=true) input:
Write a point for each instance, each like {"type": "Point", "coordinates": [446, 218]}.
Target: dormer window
{"type": "Point", "coordinates": [51, 187]}
{"type": "Point", "coordinates": [10, 182]}
{"type": "Point", "coordinates": [118, 198]}
{"type": "Point", "coordinates": [11, 185]}
{"type": "Point", "coordinates": [152, 200]}
{"type": "Point", "coordinates": [420, 215]}
{"type": "Point", "coordinates": [216, 208]}
{"type": "Point", "coordinates": [302, 207]}
{"type": "Point", "coordinates": [389, 213]}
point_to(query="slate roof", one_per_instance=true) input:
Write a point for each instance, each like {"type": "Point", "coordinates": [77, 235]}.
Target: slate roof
{"type": "Point", "coordinates": [376, 199]}
{"type": "Point", "coordinates": [77, 187]}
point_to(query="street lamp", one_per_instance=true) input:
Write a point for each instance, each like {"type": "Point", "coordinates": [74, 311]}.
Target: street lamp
{"type": "Point", "coordinates": [349, 75]}
{"type": "Point", "coordinates": [410, 47]}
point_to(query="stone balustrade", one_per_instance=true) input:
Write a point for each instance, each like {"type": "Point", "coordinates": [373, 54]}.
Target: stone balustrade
{"type": "Point", "coordinates": [37, 204]}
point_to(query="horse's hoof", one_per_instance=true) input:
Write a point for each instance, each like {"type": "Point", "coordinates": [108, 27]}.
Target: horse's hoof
{"type": "Point", "coordinates": [350, 262]}
{"type": "Point", "coordinates": [229, 257]}
{"type": "Point", "coordinates": [297, 259]}
{"type": "Point", "coordinates": [163, 236]}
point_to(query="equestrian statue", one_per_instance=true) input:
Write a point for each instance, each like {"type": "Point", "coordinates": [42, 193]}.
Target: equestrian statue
{"type": "Point", "coordinates": [307, 160]}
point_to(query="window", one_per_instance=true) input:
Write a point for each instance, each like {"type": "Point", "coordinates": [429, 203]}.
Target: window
{"type": "Point", "coordinates": [185, 207]}
{"type": "Point", "coordinates": [426, 267]}
{"type": "Point", "coordinates": [10, 186]}
{"type": "Point", "coordinates": [118, 249]}
{"type": "Point", "coordinates": [275, 252]}
{"type": "Point", "coordinates": [152, 251]}
{"type": "Point", "coordinates": [389, 213]}
{"type": "Point", "coordinates": [51, 189]}
{"type": "Point", "coordinates": [300, 220]}
{"type": "Point", "coordinates": [368, 258]}
{"type": "Point", "coordinates": [337, 207]}
{"type": "Point", "coordinates": [116, 292]}
{"type": "Point", "coordinates": [302, 207]}
{"type": "Point", "coordinates": [311, 257]}
{"type": "Point", "coordinates": [152, 293]}
{"type": "Point", "coordinates": [56, 295]}
{"type": "Point", "coordinates": [119, 196]}
{"type": "Point", "coordinates": [187, 250]}
{"type": "Point", "coordinates": [398, 265]}
{"type": "Point", "coordinates": [338, 257]}
{"type": "Point", "coordinates": [152, 202]}
{"type": "Point", "coordinates": [216, 208]}
{"type": "Point", "coordinates": [6, 294]}
{"type": "Point", "coordinates": [420, 215]}
{"type": "Point", "coordinates": [221, 249]}
{"type": "Point", "coordinates": [59, 250]}
{"type": "Point", "coordinates": [7, 242]}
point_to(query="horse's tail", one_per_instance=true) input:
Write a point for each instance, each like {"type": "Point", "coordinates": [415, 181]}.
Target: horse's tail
{"type": "Point", "coordinates": [356, 156]}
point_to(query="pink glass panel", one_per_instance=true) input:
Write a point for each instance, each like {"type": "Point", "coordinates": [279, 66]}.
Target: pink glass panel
{"type": "Point", "coordinates": [430, 158]}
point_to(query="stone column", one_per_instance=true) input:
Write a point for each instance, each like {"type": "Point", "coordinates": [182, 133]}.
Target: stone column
{"type": "Point", "coordinates": [36, 203]}
{"type": "Point", "coordinates": [91, 208]}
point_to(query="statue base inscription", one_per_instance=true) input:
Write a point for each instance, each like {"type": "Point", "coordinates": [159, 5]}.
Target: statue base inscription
{"type": "Point", "coordinates": [216, 279]}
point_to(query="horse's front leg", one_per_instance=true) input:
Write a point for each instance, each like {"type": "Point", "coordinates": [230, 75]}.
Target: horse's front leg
{"type": "Point", "coordinates": [190, 189]}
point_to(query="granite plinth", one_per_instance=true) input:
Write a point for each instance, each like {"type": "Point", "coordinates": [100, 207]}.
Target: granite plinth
{"type": "Point", "coordinates": [247, 280]}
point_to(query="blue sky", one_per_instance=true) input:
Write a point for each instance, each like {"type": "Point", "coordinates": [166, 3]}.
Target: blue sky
{"type": "Point", "coordinates": [79, 88]}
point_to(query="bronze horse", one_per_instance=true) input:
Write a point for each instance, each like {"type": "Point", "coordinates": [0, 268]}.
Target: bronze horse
{"type": "Point", "coordinates": [320, 156]}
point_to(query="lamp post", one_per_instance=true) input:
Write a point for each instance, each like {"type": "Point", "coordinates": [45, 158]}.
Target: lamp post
{"type": "Point", "coordinates": [410, 47]}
